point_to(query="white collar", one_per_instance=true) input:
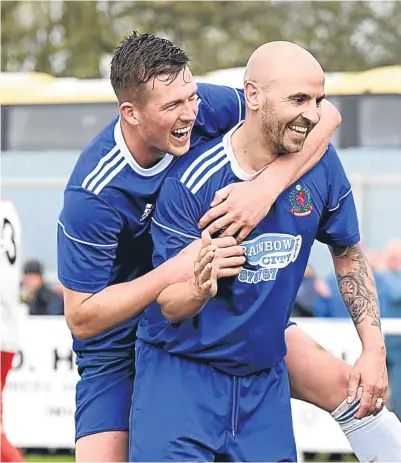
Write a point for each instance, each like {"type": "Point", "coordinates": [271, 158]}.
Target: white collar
{"type": "Point", "coordinates": [156, 169]}
{"type": "Point", "coordinates": [236, 168]}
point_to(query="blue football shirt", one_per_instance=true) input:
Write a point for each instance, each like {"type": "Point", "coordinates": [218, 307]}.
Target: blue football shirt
{"type": "Point", "coordinates": [241, 330]}
{"type": "Point", "coordinates": [103, 229]}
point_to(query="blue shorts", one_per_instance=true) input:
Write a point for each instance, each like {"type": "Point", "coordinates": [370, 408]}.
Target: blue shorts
{"type": "Point", "coordinates": [103, 394]}
{"type": "Point", "coordinates": [188, 411]}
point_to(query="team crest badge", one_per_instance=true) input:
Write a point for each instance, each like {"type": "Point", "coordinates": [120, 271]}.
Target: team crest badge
{"type": "Point", "coordinates": [301, 201]}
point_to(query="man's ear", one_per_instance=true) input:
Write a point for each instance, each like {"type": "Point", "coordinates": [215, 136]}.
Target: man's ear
{"type": "Point", "coordinates": [130, 113]}
{"type": "Point", "coordinates": [253, 95]}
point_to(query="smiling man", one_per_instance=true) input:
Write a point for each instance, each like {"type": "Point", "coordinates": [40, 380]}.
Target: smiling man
{"type": "Point", "coordinates": [213, 384]}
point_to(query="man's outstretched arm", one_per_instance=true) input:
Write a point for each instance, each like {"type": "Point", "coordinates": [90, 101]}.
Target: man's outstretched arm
{"type": "Point", "coordinates": [358, 290]}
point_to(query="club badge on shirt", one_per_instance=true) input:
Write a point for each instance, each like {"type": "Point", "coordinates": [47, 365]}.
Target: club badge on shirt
{"type": "Point", "coordinates": [301, 201]}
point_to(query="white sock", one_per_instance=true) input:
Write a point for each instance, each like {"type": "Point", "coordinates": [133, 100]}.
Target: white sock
{"type": "Point", "coordinates": [374, 438]}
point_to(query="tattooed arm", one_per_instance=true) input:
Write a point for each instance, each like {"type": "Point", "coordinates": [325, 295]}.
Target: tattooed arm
{"type": "Point", "coordinates": [358, 290]}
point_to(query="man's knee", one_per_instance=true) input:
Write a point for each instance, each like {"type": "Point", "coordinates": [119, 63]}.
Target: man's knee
{"type": "Point", "coordinates": [316, 375]}
{"type": "Point", "coordinates": [103, 447]}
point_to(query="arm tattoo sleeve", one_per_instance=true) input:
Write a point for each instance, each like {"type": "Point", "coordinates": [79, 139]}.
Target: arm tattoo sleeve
{"type": "Point", "coordinates": [356, 284]}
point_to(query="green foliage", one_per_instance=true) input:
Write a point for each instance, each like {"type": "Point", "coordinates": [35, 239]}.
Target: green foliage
{"type": "Point", "coordinates": [68, 38]}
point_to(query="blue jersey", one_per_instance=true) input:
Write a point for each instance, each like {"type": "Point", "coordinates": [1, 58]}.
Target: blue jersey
{"type": "Point", "coordinates": [241, 330]}
{"type": "Point", "coordinates": [103, 233]}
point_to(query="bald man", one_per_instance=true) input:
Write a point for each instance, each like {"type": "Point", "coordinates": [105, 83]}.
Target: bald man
{"type": "Point", "coordinates": [212, 384]}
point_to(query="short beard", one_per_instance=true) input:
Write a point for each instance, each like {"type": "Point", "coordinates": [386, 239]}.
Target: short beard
{"type": "Point", "coordinates": [271, 130]}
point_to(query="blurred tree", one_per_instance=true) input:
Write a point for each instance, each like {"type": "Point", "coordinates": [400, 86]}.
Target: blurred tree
{"type": "Point", "coordinates": [72, 38]}
{"type": "Point", "coordinates": [26, 36]}
{"type": "Point", "coordinates": [59, 37]}
{"type": "Point", "coordinates": [84, 28]}
{"type": "Point", "coordinates": [9, 33]}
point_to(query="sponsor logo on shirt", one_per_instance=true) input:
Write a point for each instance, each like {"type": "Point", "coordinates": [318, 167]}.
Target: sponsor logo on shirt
{"type": "Point", "coordinates": [148, 210]}
{"type": "Point", "coordinates": [269, 252]}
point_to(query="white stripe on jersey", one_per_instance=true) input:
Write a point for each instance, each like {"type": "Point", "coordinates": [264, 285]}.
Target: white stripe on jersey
{"type": "Point", "coordinates": [199, 160]}
{"type": "Point", "coordinates": [86, 242]}
{"type": "Point", "coordinates": [206, 177]}
{"type": "Point", "coordinates": [111, 175]}
{"type": "Point", "coordinates": [100, 164]}
{"type": "Point", "coordinates": [175, 231]}
{"type": "Point", "coordinates": [239, 105]}
{"type": "Point", "coordinates": [204, 166]}
{"type": "Point", "coordinates": [116, 159]}
{"type": "Point", "coordinates": [342, 197]}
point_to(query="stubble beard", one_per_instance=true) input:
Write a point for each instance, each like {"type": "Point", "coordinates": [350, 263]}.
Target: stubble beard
{"type": "Point", "coordinates": [271, 131]}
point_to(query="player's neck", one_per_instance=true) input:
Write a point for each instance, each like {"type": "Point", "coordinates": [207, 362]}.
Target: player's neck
{"type": "Point", "coordinates": [144, 155]}
{"type": "Point", "coordinates": [250, 149]}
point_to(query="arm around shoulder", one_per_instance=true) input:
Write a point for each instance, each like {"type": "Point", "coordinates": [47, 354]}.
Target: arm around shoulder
{"type": "Point", "coordinates": [288, 169]}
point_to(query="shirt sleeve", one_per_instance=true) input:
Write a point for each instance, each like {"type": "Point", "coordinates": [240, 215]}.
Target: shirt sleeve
{"type": "Point", "coordinates": [220, 109]}
{"type": "Point", "coordinates": [87, 240]}
{"type": "Point", "coordinates": [175, 221]}
{"type": "Point", "coordinates": [339, 223]}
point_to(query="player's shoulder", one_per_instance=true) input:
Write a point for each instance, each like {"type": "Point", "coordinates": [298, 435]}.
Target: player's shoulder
{"type": "Point", "coordinates": [206, 168]}
{"type": "Point", "coordinates": [323, 168]}
{"type": "Point", "coordinates": [332, 157]}
{"type": "Point", "coordinates": [220, 99]}
{"type": "Point", "coordinates": [207, 93]}
{"type": "Point", "coordinates": [103, 162]}
{"type": "Point", "coordinates": [327, 179]}
{"type": "Point", "coordinates": [200, 158]}
{"type": "Point", "coordinates": [319, 176]}
{"type": "Point", "coordinates": [97, 154]}
{"type": "Point", "coordinates": [104, 165]}
{"type": "Point", "coordinates": [330, 166]}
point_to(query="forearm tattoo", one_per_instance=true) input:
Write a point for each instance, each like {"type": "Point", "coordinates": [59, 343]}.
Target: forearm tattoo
{"type": "Point", "coordinates": [356, 284]}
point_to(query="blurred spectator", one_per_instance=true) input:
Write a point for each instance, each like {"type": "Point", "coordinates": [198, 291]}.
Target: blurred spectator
{"type": "Point", "coordinates": [38, 295]}
{"type": "Point", "coordinates": [331, 304]}
{"type": "Point", "coordinates": [312, 287]}
{"type": "Point", "coordinates": [392, 309]}
{"type": "Point", "coordinates": [377, 262]}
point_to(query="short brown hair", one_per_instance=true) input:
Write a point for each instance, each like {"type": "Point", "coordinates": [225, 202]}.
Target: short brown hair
{"type": "Point", "coordinates": [141, 57]}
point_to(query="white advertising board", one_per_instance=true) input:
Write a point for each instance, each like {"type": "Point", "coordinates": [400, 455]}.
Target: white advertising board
{"type": "Point", "coordinates": [39, 398]}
